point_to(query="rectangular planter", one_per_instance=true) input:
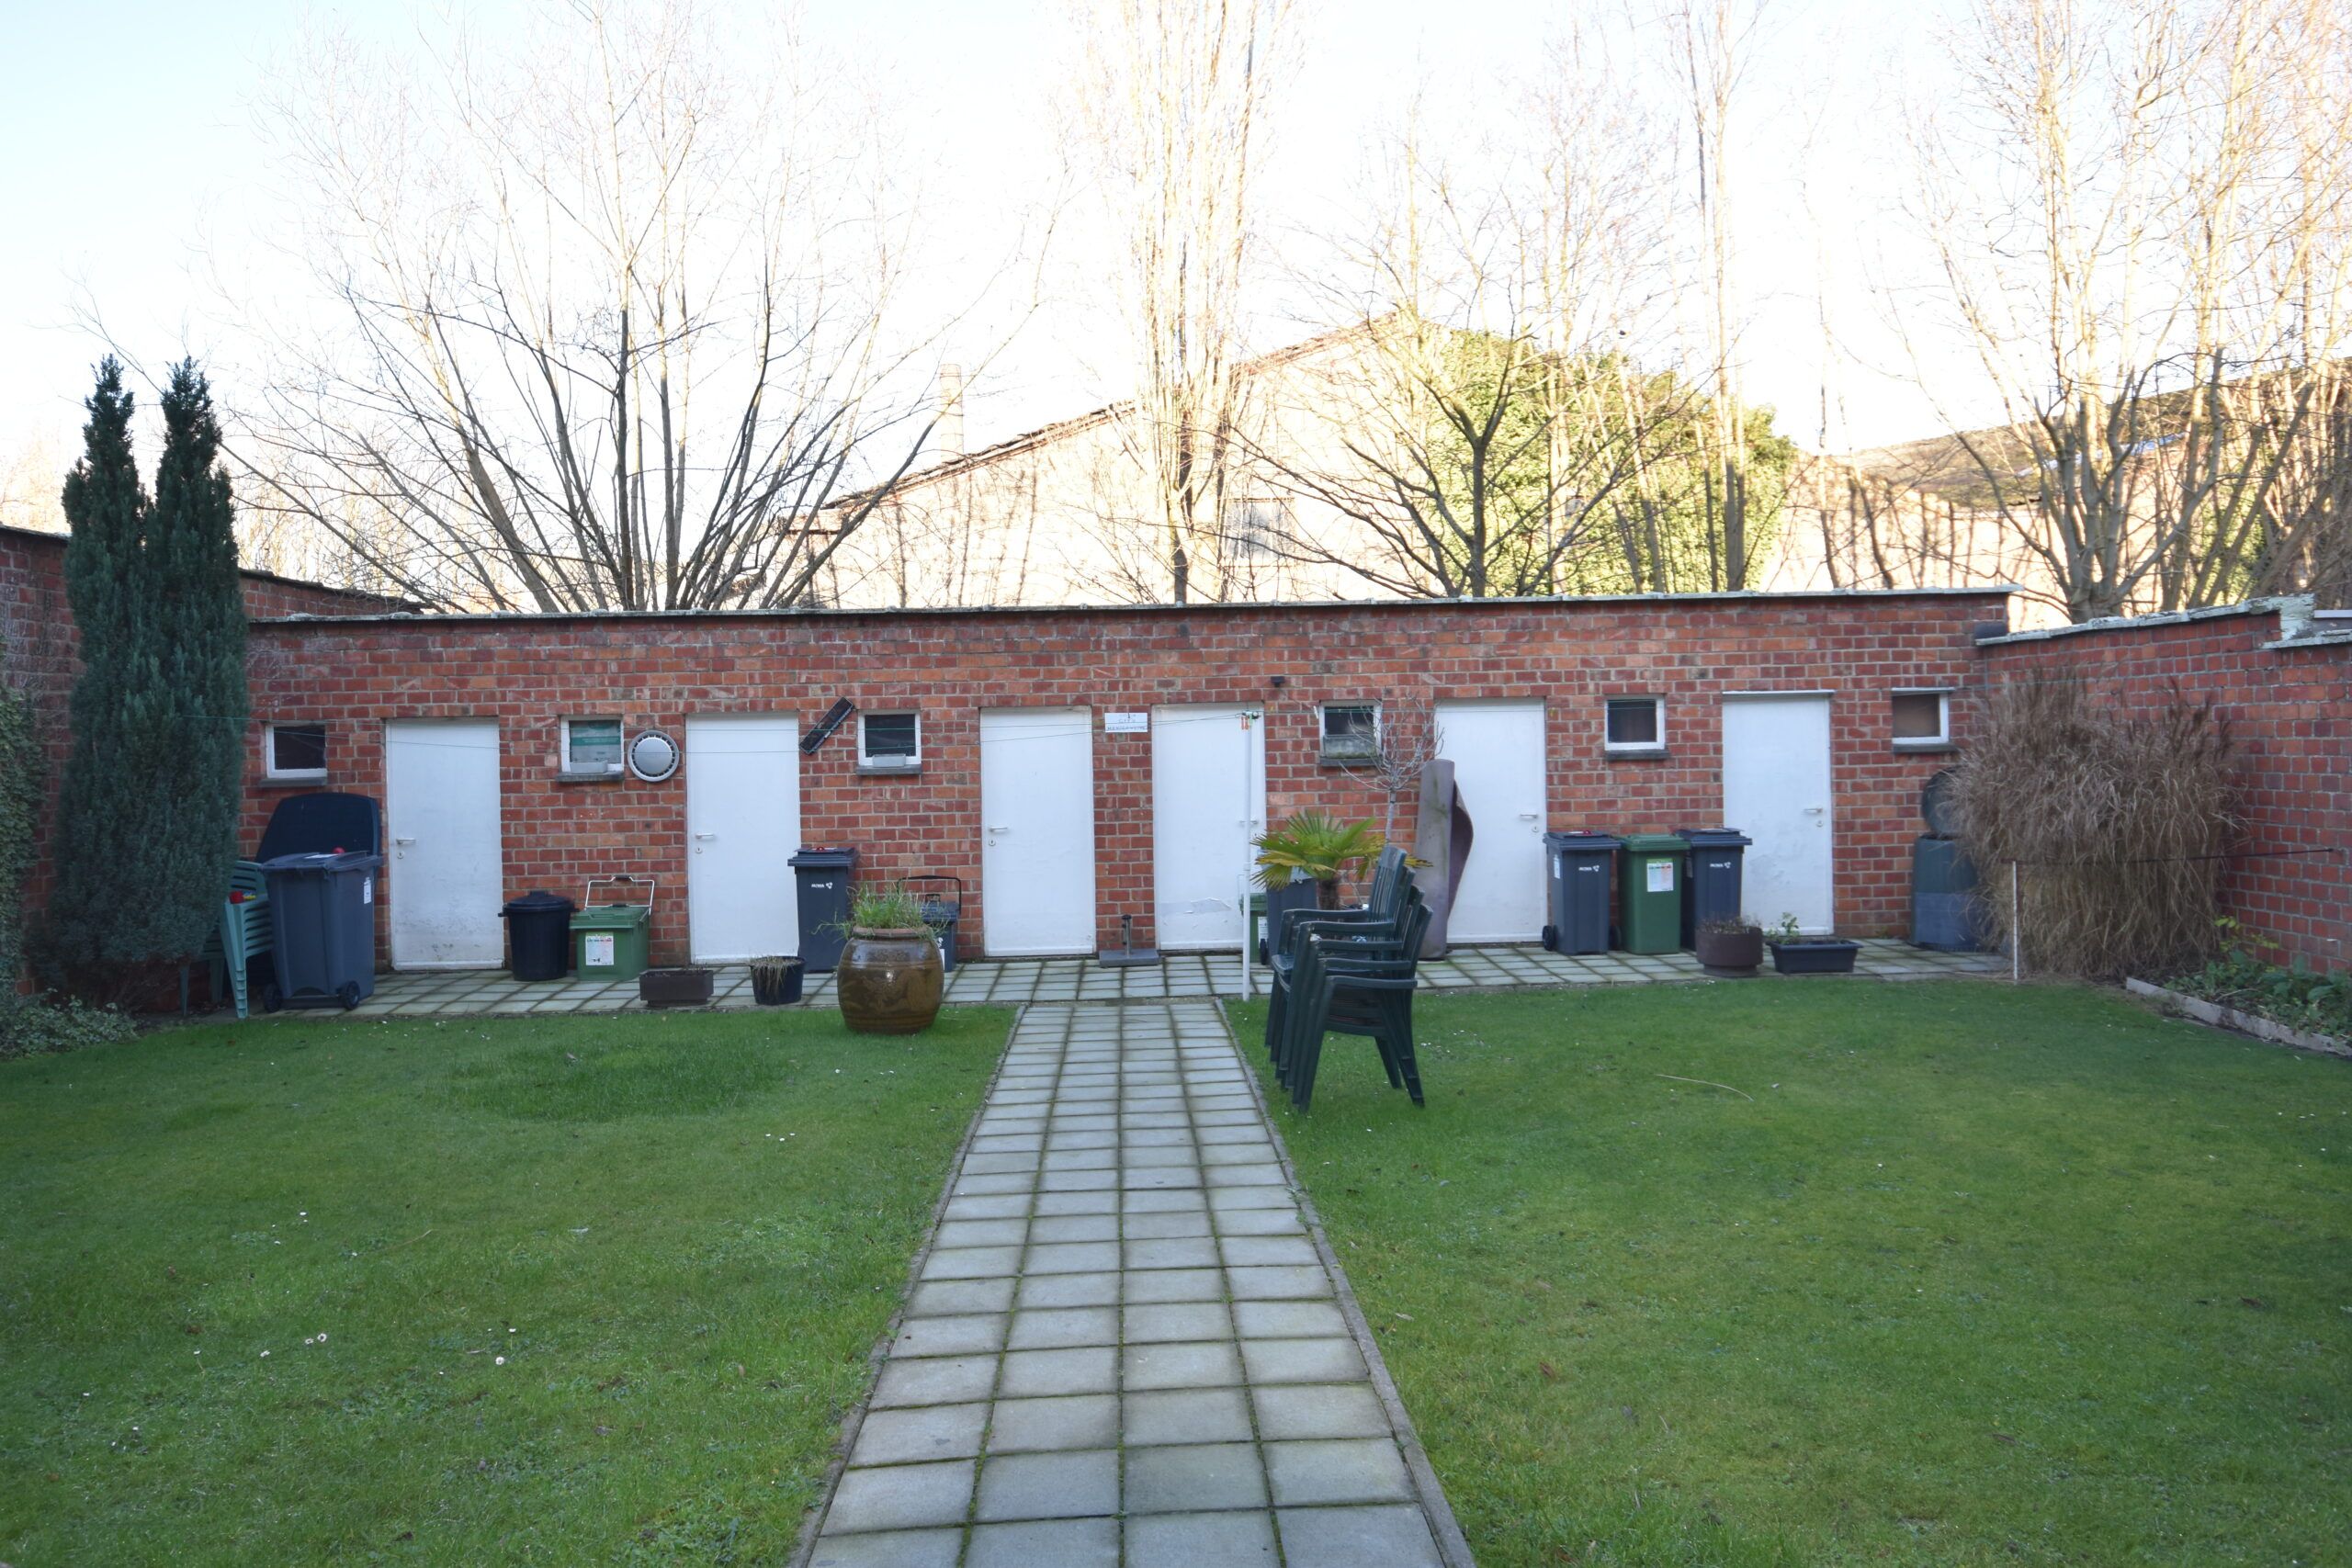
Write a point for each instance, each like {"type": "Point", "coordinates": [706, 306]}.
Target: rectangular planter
{"type": "Point", "coordinates": [674, 988]}
{"type": "Point", "coordinates": [1822, 956]}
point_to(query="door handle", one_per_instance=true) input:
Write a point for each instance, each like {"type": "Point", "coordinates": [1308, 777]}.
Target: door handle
{"type": "Point", "coordinates": [1000, 830]}
{"type": "Point", "coordinates": [705, 838]}
{"type": "Point", "coordinates": [1813, 810]}
{"type": "Point", "coordinates": [404, 840]}
{"type": "Point", "coordinates": [1528, 816]}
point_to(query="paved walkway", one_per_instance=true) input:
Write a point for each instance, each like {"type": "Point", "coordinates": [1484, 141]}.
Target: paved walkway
{"type": "Point", "coordinates": [476, 991]}
{"type": "Point", "coordinates": [1124, 1347]}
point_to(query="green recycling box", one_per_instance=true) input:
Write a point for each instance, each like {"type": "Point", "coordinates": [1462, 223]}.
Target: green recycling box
{"type": "Point", "coordinates": [608, 940]}
{"type": "Point", "coordinates": [1649, 892]}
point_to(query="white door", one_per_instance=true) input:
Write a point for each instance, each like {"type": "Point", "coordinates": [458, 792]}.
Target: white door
{"type": "Point", "coordinates": [1037, 830]}
{"type": "Point", "coordinates": [1776, 790]}
{"type": "Point", "coordinates": [742, 827]}
{"type": "Point", "coordinates": [1208, 800]}
{"type": "Point", "coordinates": [1497, 750]}
{"type": "Point", "coordinates": [447, 872]}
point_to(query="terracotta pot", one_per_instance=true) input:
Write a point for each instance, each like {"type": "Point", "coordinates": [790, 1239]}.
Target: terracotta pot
{"type": "Point", "coordinates": [889, 981]}
{"type": "Point", "coordinates": [1736, 952]}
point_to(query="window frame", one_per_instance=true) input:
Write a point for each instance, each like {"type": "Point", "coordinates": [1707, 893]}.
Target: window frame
{"type": "Point", "coordinates": [1655, 747]}
{"type": "Point", "coordinates": [271, 771]}
{"type": "Point", "coordinates": [1323, 747]}
{"type": "Point", "coordinates": [1259, 541]}
{"type": "Point", "coordinates": [889, 762]}
{"type": "Point", "coordinates": [563, 765]}
{"type": "Point", "coordinates": [1940, 741]}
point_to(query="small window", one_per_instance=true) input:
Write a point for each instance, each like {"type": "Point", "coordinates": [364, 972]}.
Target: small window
{"type": "Point", "coordinates": [591, 747]}
{"type": "Point", "coordinates": [1254, 526]}
{"type": "Point", "coordinates": [295, 750]}
{"type": "Point", "coordinates": [1635, 724]}
{"type": "Point", "coordinates": [1922, 718]}
{"type": "Point", "coordinates": [889, 741]}
{"type": "Point", "coordinates": [1350, 730]}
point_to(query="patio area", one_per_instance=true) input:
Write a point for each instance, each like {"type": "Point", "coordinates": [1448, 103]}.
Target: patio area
{"type": "Point", "coordinates": [1015, 981]}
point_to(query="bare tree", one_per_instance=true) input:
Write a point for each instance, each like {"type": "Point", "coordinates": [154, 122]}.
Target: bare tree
{"type": "Point", "coordinates": [613, 316]}
{"type": "Point", "coordinates": [1173, 95]}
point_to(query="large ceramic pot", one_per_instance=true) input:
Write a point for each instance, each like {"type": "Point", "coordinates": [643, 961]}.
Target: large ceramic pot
{"type": "Point", "coordinates": [1735, 950]}
{"type": "Point", "coordinates": [889, 981]}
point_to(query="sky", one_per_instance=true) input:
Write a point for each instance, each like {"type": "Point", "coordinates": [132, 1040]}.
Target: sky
{"type": "Point", "coordinates": [140, 191]}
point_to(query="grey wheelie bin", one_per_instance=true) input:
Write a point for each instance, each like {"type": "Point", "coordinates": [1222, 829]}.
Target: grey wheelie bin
{"type": "Point", "coordinates": [1712, 891]}
{"type": "Point", "coordinates": [1579, 886]}
{"type": "Point", "coordinates": [324, 910]}
{"type": "Point", "coordinates": [824, 879]}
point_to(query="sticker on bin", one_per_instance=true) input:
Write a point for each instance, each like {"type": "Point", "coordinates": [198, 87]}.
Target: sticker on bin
{"type": "Point", "coordinates": [367, 889]}
{"type": "Point", "coordinates": [1661, 876]}
{"type": "Point", "coordinates": [596, 950]}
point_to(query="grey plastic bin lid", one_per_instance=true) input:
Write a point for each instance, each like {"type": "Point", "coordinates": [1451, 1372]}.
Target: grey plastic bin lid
{"type": "Point", "coordinates": [352, 859]}
{"type": "Point", "coordinates": [1581, 841]}
{"type": "Point", "coordinates": [320, 821]}
{"type": "Point", "coordinates": [1716, 838]}
{"type": "Point", "coordinates": [811, 859]}
{"type": "Point", "coordinates": [538, 900]}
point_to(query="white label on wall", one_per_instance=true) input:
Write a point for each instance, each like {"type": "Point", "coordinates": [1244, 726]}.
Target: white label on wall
{"type": "Point", "coordinates": [596, 950]}
{"type": "Point", "coordinates": [1661, 876]}
{"type": "Point", "coordinates": [1126, 723]}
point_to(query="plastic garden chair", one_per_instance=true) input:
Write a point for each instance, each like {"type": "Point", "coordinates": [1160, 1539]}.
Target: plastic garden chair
{"type": "Point", "coordinates": [1390, 875]}
{"type": "Point", "coordinates": [1346, 996]}
{"type": "Point", "coordinates": [1361, 933]}
{"type": "Point", "coordinates": [246, 931]}
{"type": "Point", "coordinates": [1321, 958]}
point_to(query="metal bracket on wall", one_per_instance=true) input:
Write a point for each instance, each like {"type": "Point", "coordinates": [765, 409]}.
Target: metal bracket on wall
{"type": "Point", "coordinates": [818, 732]}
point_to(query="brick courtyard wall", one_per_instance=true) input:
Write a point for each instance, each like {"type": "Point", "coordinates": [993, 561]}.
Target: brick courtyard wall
{"type": "Point", "coordinates": [2289, 707]}
{"type": "Point", "coordinates": [44, 651]}
{"type": "Point", "coordinates": [530, 672]}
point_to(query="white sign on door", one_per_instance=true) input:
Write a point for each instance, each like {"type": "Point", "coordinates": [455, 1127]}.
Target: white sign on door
{"type": "Point", "coordinates": [1126, 724]}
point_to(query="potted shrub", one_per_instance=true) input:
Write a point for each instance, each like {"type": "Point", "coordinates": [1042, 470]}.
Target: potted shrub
{"type": "Point", "coordinates": [1730, 945]}
{"type": "Point", "coordinates": [891, 978]}
{"type": "Point", "coordinates": [1318, 846]}
{"type": "Point", "coordinates": [1793, 953]}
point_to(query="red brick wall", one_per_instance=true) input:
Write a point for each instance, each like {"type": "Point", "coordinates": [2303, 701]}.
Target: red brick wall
{"type": "Point", "coordinates": [2290, 713]}
{"type": "Point", "coordinates": [41, 646]}
{"type": "Point", "coordinates": [657, 670]}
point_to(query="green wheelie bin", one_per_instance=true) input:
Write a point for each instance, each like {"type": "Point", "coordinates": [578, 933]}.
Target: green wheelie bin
{"type": "Point", "coordinates": [1650, 870]}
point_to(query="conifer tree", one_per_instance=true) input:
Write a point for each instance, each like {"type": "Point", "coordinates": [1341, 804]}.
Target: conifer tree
{"type": "Point", "coordinates": [146, 823]}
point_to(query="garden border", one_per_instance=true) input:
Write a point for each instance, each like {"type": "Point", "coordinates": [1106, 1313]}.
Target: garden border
{"type": "Point", "coordinates": [2255, 1024]}
{"type": "Point", "coordinates": [1453, 1546]}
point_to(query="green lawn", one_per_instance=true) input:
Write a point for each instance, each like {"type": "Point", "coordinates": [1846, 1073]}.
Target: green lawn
{"type": "Point", "coordinates": [588, 1288]}
{"type": "Point", "coordinates": [1946, 1274]}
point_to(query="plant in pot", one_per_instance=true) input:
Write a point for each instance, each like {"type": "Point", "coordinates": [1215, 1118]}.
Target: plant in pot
{"type": "Point", "coordinates": [1317, 846]}
{"type": "Point", "coordinates": [891, 978]}
{"type": "Point", "coordinates": [776, 982]}
{"type": "Point", "coordinates": [1793, 953]}
{"type": "Point", "coordinates": [1729, 944]}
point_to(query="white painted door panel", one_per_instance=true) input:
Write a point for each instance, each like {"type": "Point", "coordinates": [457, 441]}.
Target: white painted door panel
{"type": "Point", "coordinates": [447, 872]}
{"type": "Point", "coordinates": [1777, 791]}
{"type": "Point", "coordinates": [1208, 800]}
{"type": "Point", "coordinates": [742, 827]}
{"type": "Point", "coordinates": [1037, 830]}
{"type": "Point", "coordinates": [1497, 750]}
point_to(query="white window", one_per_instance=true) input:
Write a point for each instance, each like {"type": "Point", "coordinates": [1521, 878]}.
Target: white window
{"type": "Point", "coordinates": [889, 741]}
{"type": "Point", "coordinates": [1922, 719]}
{"type": "Point", "coordinates": [295, 751]}
{"type": "Point", "coordinates": [1350, 730]}
{"type": "Point", "coordinates": [1634, 726]}
{"type": "Point", "coordinates": [1254, 526]}
{"type": "Point", "coordinates": [591, 748]}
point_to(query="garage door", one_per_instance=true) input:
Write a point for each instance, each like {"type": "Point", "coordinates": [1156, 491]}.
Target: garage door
{"type": "Point", "coordinates": [1037, 830]}
{"type": "Point", "coordinates": [445, 882]}
{"type": "Point", "coordinates": [1497, 750]}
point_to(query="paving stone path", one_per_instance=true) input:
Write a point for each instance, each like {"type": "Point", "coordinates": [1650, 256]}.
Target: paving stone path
{"type": "Point", "coordinates": [1124, 1347]}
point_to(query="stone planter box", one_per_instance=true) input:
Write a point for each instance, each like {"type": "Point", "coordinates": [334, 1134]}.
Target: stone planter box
{"type": "Point", "coordinates": [1815, 956]}
{"type": "Point", "coordinates": [674, 988]}
{"type": "Point", "coordinates": [2251, 1023]}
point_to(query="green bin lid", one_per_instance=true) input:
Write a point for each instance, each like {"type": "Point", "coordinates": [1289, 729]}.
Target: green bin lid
{"type": "Point", "coordinates": [610, 917]}
{"type": "Point", "coordinates": [1654, 844]}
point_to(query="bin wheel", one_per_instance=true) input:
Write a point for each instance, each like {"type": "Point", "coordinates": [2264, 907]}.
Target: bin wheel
{"type": "Point", "coordinates": [272, 998]}
{"type": "Point", "coordinates": [347, 994]}
{"type": "Point", "coordinates": [1551, 939]}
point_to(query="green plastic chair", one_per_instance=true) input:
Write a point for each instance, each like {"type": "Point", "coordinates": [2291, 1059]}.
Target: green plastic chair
{"type": "Point", "coordinates": [246, 931]}
{"type": "Point", "coordinates": [1393, 893]}
{"type": "Point", "coordinates": [1337, 992]}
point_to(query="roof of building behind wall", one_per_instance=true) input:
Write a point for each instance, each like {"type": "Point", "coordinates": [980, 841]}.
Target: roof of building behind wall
{"type": "Point", "coordinates": [457, 617]}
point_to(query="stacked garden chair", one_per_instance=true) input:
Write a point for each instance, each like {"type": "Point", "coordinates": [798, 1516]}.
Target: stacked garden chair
{"type": "Point", "coordinates": [1350, 971]}
{"type": "Point", "coordinates": [245, 933]}
{"type": "Point", "coordinates": [1390, 880]}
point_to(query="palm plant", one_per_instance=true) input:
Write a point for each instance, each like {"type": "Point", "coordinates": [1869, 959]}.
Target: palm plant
{"type": "Point", "coordinates": [1317, 844]}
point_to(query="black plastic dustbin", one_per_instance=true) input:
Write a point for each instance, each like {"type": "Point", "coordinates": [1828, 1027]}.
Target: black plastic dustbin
{"type": "Point", "coordinates": [539, 936]}
{"type": "Point", "coordinates": [824, 878]}
{"type": "Point", "coordinates": [1579, 891]}
{"type": "Point", "coordinates": [943, 914]}
{"type": "Point", "coordinates": [323, 906]}
{"type": "Point", "coordinates": [1712, 891]}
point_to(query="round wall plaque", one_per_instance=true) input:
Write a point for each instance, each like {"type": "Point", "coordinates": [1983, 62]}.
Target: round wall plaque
{"type": "Point", "coordinates": [652, 755]}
